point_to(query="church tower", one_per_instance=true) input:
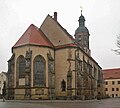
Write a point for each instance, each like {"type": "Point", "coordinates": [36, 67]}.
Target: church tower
{"type": "Point", "coordinates": [82, 34]}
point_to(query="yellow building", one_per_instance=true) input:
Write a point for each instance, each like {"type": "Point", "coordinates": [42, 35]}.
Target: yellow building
{"type": "Point", "coordinates": [112, 82]}
{"type": "Point", "coordinates": [48, 63]}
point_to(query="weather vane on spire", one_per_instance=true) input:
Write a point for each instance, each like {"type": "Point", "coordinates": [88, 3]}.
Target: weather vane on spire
{"type": "Point", "coordinates": [81, 9]}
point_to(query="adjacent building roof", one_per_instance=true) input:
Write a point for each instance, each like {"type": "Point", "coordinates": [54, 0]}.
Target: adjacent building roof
{"type": "Point", "coordinates": [111, 73]}
{"type": "Point", "coordinates": [33, 36]}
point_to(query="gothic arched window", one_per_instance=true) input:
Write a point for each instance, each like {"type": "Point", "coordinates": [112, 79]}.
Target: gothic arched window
{"type": "Point", "coordinates": [21, 66]}
{"type": "Point", "coordinates": [63, 85]}
{"type": "Point", "coordinates": [39, 71]}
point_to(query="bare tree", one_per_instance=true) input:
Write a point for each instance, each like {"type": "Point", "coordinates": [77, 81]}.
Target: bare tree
{"type": "Point", "coordinates": [117, 51]}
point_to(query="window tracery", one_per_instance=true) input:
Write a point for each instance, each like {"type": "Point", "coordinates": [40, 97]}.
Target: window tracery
{"type": "Point", "coordinates": [39, 71]}
{"type": "Point", "coordinates": [21, 66]}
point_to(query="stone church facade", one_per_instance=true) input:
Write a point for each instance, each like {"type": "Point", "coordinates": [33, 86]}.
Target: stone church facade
{"type": "Point", "coordinates": [48, 63]}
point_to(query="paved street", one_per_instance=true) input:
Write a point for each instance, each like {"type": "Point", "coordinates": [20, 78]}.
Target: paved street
{"type": "Point", "coordinates": [105, 103]}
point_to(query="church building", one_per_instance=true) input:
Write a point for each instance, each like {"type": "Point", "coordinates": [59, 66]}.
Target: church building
{"type": "Point", "coordinates": [48, 63]}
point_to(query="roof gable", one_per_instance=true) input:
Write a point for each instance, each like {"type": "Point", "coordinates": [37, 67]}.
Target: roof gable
{"type": "Point", "coordinates": [33, 36]}
{"type": "Point", "coordinates": [55, 32]}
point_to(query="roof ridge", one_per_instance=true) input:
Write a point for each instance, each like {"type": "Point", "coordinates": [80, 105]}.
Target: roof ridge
{"type": "Point", "coordinates": [64, 30]}
{"type": "Point", "coordinates": [39, 30]}
{"type": "Point", "coordinates": [32, 25]}
{"type": "Point", "coordinates": [42, 35]}
{"type": "Point", "coordinates": [23, 34]}
{"type": "Point", "coordinates": [33, 36]}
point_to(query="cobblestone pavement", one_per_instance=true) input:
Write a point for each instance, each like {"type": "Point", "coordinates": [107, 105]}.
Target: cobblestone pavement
{"type": "Point", "coordinates": [105, 103]}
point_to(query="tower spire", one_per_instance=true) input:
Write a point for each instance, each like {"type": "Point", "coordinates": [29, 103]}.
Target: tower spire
{"type": "Point", "coordinates": [81, 20]}
{"type": "Point", "coordinates": [81, 11]}
{"type": "Point", "coordinates": [82, 33]}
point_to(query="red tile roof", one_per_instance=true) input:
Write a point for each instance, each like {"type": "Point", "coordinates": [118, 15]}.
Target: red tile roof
{"type": "Point", "coordinates": [33, 36]}
{"type": "Point", "coordinates": [111, 73]}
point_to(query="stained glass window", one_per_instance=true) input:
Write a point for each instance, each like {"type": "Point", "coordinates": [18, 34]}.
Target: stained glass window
{"type": "Point", "coordinates": [21, 66]}
{"type": "Point", "coordinates": [39, 71]}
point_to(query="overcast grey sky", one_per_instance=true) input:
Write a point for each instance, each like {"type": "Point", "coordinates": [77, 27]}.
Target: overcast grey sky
{"type": "Point", "coordinates": [102, 20]}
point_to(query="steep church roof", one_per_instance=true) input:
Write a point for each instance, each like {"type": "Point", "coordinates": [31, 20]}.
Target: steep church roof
{"type": "Point", "coordinates": [33, 36]}
{"type": "Point", "coordinates": [55, 32]}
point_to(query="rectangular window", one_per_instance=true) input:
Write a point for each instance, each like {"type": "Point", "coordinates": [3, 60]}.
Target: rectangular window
{"type": "Point", "coordinates": [116, 94]}
{"type": "Point", "coordinates": [106, 89]}
{"type": "Point", "coordinates": [112, 89]}
{"type": "Point", "coordinates": [98, 85]}
{"type": "Point", "coordinates": [117, 89]}
{"type": "Point", "coordinates": [112, 95]}
{"type": "Point", "coordinates": [106, 83]}
{"type": "Point", "coordinates": [113, 82]}
{"type": "Point", "coordinates": [118, 82]}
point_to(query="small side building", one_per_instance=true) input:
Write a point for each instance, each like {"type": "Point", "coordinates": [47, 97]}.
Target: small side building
{"type": "Point", "coordinates": [112, 82]}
